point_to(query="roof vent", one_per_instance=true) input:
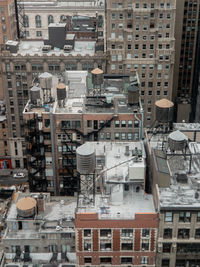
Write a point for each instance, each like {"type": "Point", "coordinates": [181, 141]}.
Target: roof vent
{"type": "Point", "coordinates": [182, 178]}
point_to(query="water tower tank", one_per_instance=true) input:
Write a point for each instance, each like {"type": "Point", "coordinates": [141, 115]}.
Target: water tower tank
{"type": "Point", "coordinates": [97, 76]}
{"type": "Point", "coordinates": [45, 80]}
{"type": "Point", "coordinates": [61, 91]}
{"type": "Point", "coordinates": [164, 110]}
{"type": "Point", "coordinates": [85, 159]}
{"type": "Point", "coordinates": [34, 94]}
{"type": "Point", "coordinates": [177, 141]}
{"type": "Point", "coordinates": [26, 207]}
{"type": "Point", "coordinates": [133, 94]}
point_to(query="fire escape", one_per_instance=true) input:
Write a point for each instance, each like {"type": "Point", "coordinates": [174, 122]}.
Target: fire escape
{"type": "Point", "coordinates": [68, 169]}
{"type": "Point", "coordinates": [36, 156]}
{"type": "Point", "coordinates": [20, 12]}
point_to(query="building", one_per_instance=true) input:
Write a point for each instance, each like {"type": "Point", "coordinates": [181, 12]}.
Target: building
{"type": "Point", "coordinates": [8, 22]}
{"type": "Point", "coordinates": [174, 165]}
{"type": "Point", "coordinates": [5, 158]}
{"type": "Point", "coordinates": [140, 35]}
{"type": "Point", "coordinates": [63, 116]}
{"type": "Point", "coordinates": [186, 32]}
{"type": "Point", "coordinates": [40, 229]}
{"type": "Point", "coordinates": [38, 15]}
{"type": "Point", "coordinates": [119, 225]}
{"type": "Point", "coordinates": [24, 62]}
{"type": "Point", "coordinates": [115, 225]}
{"type": "Point", "coordinates": [8, 29]}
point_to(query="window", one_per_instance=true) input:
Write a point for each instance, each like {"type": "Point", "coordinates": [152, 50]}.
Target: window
{"type": "Point", "coordinates": [113, 15]}
{"type": "Point", "coordinates": [105, 260]}
{"type": "Point", "coordinates": [127, 233]}
{"type": "Point", "coordinates": [184, 216]}
{"type": "Point", "coordinates": [25, 21]}
{"type": "Point", "coordinates": [87, 233]}
{"type": "Point", "coordinates": [107, 136]}
{"type": "Point", "coordinates": [168, 217]}
{"type": "Point", "coordinates": [87, 260]}
{"type": "Point", "coordinates": [197, 233]}
{"type": "Point", "coordinates": [120, 16]}
{"type": "Point", "coordinates": [130, 124]}
{"type": "Point", "coordinates": [165, 262]}
{"type": "Point", "coordinates": [17, 163]}
{"type": "Point", "coordinates": [38, 22]}
{"type": "Point", "coordinates": [126, 246]}
{"type": "Point", "coordinates": [183, 233]}
{"type": "Point", "coordinates": [166, 247]}
{"type": "Point", "coordinates": [129, 136]}
{"type": "Point", "coordinates": [126, 260]}
{"type": "Point", "coordinates": [117, 136]}
{"type": "Point", "coordinates": [105, 233]}
{"type": "Point", "coordinates": [123, 123]}
{"type": "Point", "coordinates": [105, 245]}
{"type": "Point", "coordinates": [145, 232]}
{"type": "Point", "coordinates": [87, 245]}
{"type": "Point", "coordinates": [117, 124]}
{"type": "Point", "coordinates": [167, 233]}
{"type": "Point", "coordinates": [123, 136]}
{"type": "Point", "coordinates": [50, 19]}
{"type": "Point", "coordinates": [38, 33]}
{"type": "Point", "coordinates": [198, 216]}
{"type": "Point", "coordinates": [47, 123]}
{"type": "Point", "coordinates": [144, 259]}
{"type": "Point", "coordinates": [145, 244]}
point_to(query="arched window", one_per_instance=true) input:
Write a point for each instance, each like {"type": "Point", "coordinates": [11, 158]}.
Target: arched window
{"type": "Point", "coordinates": [50, 19]}
{"type": "Point", "coordinates": [25, 21]}
{"type": "Point", "coordinates": [62, 18]}
{"type": "Point", "coordinates": [38, 22]}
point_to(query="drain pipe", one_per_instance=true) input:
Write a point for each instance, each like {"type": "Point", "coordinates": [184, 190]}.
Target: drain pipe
{"type": "Point", "coordinates": [141, 132]}
{"type": "Point", "coordinates": [53, 151]}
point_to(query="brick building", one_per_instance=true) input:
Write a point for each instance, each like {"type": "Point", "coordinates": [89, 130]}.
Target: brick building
{"type": "Point", "coordinates": [119, 227]}
{"type": "Point", "coordinates": [54, 130]}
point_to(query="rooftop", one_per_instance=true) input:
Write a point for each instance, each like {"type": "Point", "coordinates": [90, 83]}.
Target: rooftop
{"type": "Point", "coordinates": [120, 164]}
{"type": "Point", "coordinates": [56, 208]}
{"type": "Point", "coordinates": [35, 48]}
{"type": "Point", "coordinates": [183, 168]}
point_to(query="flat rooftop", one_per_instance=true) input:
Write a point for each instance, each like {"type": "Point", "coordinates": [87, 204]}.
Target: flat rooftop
{"type": "Point", "coordinates": [132, 203]}
{"type": "Point", "coordinates": [184, 193]}
{"type": "Point", "coordinates": [67, 3]}
{"type": "Point", "coordinates": [116, 163]}
{"type": "Point", "coordinates": [35, 48]}
{"type": "Point", "coordinates": [56, 208]}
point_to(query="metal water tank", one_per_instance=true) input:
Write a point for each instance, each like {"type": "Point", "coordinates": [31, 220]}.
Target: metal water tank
{"type": "Point", "coordinates": [164, 110]}
{"type": "Point", "coordinates": [45, 80]}
{"type": "Point", "coordinates": [85, 156]}
{"type": "Point", "coordinates": [97, 76]}
{"type": "Point", "coordinates": [133, 94]}
{"type": "Point", "coordinates": [34, 94]}
{"type": "Point", "coordinates": [26, 207]}
{"type": "Point", "coordinates": [177, 141]}
{"type": "Point", "coordinates": [61, 91]}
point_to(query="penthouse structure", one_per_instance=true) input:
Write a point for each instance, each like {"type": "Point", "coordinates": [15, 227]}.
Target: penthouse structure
{"type": "Point", "coordinates": [174, 171]}
{"type": "Point", "coordinates": [119, 225]}
{"type": "Point", "coordinates": [61, 116]}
